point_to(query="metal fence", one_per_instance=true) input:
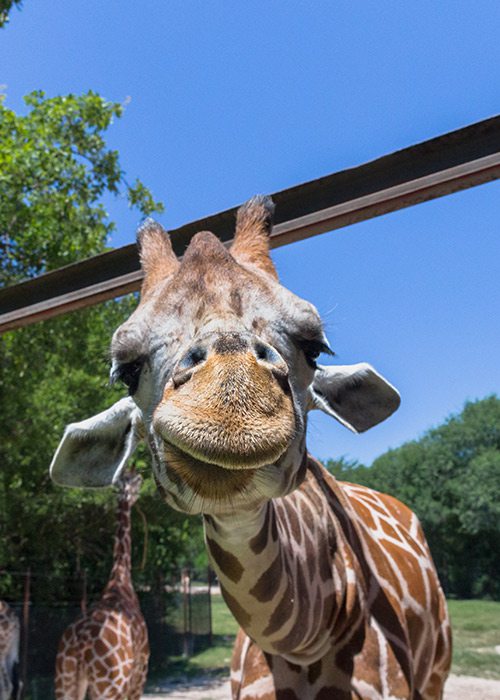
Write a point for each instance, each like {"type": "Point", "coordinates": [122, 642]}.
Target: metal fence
{"type": "Point", "coordinates": [448, 163]}
{"type": "Point", "coordinates": [178, 618]}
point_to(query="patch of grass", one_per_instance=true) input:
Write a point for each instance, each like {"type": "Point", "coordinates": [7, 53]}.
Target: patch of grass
{"type": "Point", "coordinates": [223, 621]}
{"type": "Point", "coordinates": [215, 660]}
{"type": "Point", "coordinates": [476, 633]}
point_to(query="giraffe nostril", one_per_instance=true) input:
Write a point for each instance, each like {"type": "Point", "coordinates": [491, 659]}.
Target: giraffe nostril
{"type": "Point", "coordinates": [193, 357]}
{"type": "Point", "coordinates": [184, 370]}
{"type": "Point", "coordinates": [266, 353]}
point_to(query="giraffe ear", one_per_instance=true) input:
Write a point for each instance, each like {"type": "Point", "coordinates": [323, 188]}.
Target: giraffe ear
{"type": "Point", "coordinates": [355, 395]}
{"type": "Point", "coordinates": [94, 452]}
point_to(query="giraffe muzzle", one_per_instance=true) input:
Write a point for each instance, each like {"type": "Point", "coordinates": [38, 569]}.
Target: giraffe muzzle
{"type": "Point", "coordinates": [228, 403]}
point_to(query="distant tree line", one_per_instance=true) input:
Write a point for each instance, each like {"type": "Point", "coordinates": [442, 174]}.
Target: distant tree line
{"type": "Point", "coordinates": [451, 478]}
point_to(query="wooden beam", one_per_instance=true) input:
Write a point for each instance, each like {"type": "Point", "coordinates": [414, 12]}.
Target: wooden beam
{"type": "Point", "coordinates": [440, 166]}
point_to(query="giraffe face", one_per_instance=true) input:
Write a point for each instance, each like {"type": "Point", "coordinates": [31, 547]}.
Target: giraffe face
{"type": "Point", "coordinates": [219, 358]}
{"type": "Point", "coordinates": [220, 362]}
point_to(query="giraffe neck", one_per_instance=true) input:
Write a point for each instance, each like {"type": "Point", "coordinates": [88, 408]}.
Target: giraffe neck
{"type": "Point", "coordinates": [121, 571]}
{"type": "Point", "coordinates": [282, 572]}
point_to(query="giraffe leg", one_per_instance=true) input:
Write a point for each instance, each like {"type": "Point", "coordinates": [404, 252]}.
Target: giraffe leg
{"type": "Point", "coordinates": [70, 680]}
{"type": "Point", "coordinates": [251, 676]}
{"type": "Point", "coordinates": [70, 687]}
{"type": "Point", "coordinates": [139, 677]}
{"type": "Point", "coordinates": [9, 678]}
{"type": "Point", "coordinates": [16, 683]}
{"type": "Point", "coordinates": [435, 687]}
{"type": "Point", "coordinates": [108, 694]}
{"type": "Point", "coordinates": [115, 686]}
{"type": "Point", "coordinates": [5, 682]}
{"type": "Point", "coordinates": [110, 677]}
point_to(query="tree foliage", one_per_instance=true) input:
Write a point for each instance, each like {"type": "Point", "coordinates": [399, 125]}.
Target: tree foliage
{"type": "Point", "coordinates": [5, 8]}
{"type": "Point", "coordinates": [55, 169]}
{"type": "Point", "coordinates": [451, 479]}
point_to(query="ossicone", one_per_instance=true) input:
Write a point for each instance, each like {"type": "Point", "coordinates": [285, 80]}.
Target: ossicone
{"type": "Point", "coordinates": [158, 259]}
{"type": "Point", "coordinates": [254, 221]}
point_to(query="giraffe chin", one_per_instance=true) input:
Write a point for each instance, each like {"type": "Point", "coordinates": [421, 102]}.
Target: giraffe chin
{"type": "Point", "coordinates": [194, 486]}
{"type": "Point", "coordinates": [206, 480]}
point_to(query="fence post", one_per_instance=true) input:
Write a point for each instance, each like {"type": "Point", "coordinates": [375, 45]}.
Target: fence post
{"type": "Point", "coordinates": [26, 621]}
{"type": "Point", "coordinates": [186, 590]}
{"type": "Point", "coordinates": [83, 600]}
{"type": "Point", "coordinates": [209, 586]}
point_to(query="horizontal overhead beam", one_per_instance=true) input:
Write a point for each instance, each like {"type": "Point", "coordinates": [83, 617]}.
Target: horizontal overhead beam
{"type": "Point", "coordinates": [440, 166]}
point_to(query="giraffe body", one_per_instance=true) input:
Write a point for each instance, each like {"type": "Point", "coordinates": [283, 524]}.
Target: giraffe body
{"type": "Point", "coordinates": [105, 652]}
{"type": "Point", "coordinates": [332, 584]}
{"type": "Point", "coordinates": [9, 652]}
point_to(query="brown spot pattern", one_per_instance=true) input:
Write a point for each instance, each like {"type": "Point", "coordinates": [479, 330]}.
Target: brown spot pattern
{"type": "Point", "coordinates": [269, 582]}
{"type": "Point", "coordinates": [236, 302]}
{"type": "Point", "coordinates": [259, 541]}
{"type": "Point", "coordinates": [281, 612]}
{"type": "Point", "coordinates": [240, 614]}
{"type": "Point", "coordinates": [229, 565]}
{"type": "Point", "coordinates": [314, 672]}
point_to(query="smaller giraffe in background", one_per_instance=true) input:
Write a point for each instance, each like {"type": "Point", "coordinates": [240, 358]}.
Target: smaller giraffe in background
{"type": "Point", "coordinates": [9, 653]}
{"type": "Point", "coordinates": [106, 650]}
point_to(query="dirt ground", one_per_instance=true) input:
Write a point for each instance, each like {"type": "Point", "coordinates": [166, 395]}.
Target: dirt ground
{"type": "Point", "coordinates": [457, 688]}
{"type": "Point", "coordinates": [469, 688]}
{"type": "Point", "coordinates": [201, 689]}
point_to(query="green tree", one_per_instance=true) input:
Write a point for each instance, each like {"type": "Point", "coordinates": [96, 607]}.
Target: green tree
{"type": "Point", "coordinates": [346, 469]}
{"type": "Point", "coordinates": [55, 168]}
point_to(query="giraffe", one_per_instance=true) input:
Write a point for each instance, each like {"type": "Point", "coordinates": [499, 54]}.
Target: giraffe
{"type": "Point", "coordinates": [332, 584]}
{"type": "Point", "coordinates": [106, 651]}
{"type": "Point", "coordinates": [9, 653]}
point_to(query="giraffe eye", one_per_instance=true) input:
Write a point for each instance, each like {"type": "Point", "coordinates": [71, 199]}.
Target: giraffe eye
{"type": "Point", "coordinates": [129, 374]}
{"type": "Point", "coordinates": [312, 349]}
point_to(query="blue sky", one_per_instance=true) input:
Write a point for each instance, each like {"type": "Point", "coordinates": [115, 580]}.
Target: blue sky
{"type": "Point", "coordinates": [229, 99]}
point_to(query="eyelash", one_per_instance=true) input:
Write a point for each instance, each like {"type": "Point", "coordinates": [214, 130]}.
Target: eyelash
{"type": "Point", "coordinates": [129, 374]}
{"type": "Point", "coordinates": [312, 349]}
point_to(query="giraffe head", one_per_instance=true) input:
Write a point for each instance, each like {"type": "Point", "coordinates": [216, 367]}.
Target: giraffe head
{"type": "Point", "coordinates": [220, 362]}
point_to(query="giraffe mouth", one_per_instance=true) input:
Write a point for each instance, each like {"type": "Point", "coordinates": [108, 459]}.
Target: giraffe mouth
{"type": "Point", "coordinates": [211, 443]}
{"type": "Point", "coordinates": [204, 479]}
